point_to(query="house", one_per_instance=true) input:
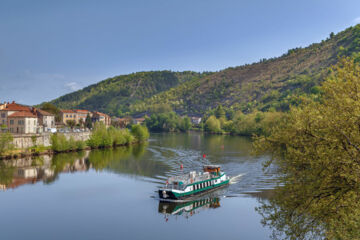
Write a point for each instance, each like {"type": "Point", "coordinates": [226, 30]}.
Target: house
{"type": "Point", "coordinates": [22, 122]}
{"type": "Point", "coordinates": [68, 115]}
{"type": "Point", "coordinates": [121, 122]}
{"type": "Point", "coordinates": [101, 117]}
{"type": "Point", "coordinates": [46, 120]}
{"type": "Point", "coordinates": [9, 108]}
{"type": "Point", "coordinates": [138, 120]}
{"type": "Point", "coordinates": [196, 120]}
{"type": "Point", "coordinates": [81, 115]}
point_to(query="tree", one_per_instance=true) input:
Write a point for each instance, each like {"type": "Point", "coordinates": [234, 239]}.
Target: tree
{"type": "Point", "coordinates": [51, 108]}
{"type": "Point", "coordinates": [185, 124]}
{"type": "Point", "coordinates": [212, 124]}
{"type": "Point", "coordinates": [71, 123]}
{"type": "Point", "coordinates": [5, 142]}
{"type": "Point", "coordinates": [220, 112]}
{"type": "Point", "coordinates": [317, 151]}
{"type": "Point", "coordinates": [140, 132]}
{"type": "Point", "coordinates": [81, 123]}
{"type": "Point", "coordinates": [88, 122]}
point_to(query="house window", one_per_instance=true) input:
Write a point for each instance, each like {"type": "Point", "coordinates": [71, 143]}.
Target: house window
{"type": "Point", "coordinates": [67, 115]}
{"type": "Point", "coordinates": [3, 115]}
{"type": "Point", "coordinates": [11, 122]}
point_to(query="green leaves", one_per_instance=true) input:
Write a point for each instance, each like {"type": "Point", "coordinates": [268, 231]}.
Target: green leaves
{"type": "Point", "coordinates": [317, 151]}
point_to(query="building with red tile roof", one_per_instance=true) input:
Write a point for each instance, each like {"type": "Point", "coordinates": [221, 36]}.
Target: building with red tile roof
{"type": "Point", "coordinates": [22, 122]}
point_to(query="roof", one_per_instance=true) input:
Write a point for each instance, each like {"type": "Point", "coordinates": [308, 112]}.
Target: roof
{"type": "Point", "coordinates": [44, 113]}
{"type": "Point", "coordinates": [15, 107]}
{"type": "Point", "coordinates": [139, 119]}
{"type": "Point", "coordinates": [67, 111]}
{"type": "Point", "coordinates": [82, 111]}
{"type": "Point", "coordinates": [101, 114]}
{"type": "Point", "coordinates": [22, 114]}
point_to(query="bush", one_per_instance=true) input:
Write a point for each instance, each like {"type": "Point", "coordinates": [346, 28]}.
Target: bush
{"type": "Point", "coordinates": [141, 133]}
{"type": "Point", "coordinates": [5, 142]}
{"type": "Point", "coordinates": [212, 124]}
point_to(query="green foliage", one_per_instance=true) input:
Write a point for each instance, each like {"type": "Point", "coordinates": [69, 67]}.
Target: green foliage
{"type": "Point", "coordinates": [5, 142]}
{"type": "Point", "coordinates": [316, 149]}
{"type": "Point", "coordinates": [220, 112]}
{"type": "Point", "coordinates": [212, 124]}
{"type": "Point", "coordinates": [185, 124]}
{"type": "Point", "coordinates": [71, 123]}
{"type": "Point", "coordinates": [88, 122]}
{"type": "Point", "coordinates": [103, 137]}
{"type": "Point", "coordinates": [141, 133]}
{"type": "Point", "coordinates": [116, 95]}
{"type": "Point", "coordinates": [59, 143]}
{"type": "Point", "coordinates": [50, 108]}
{"type": "Point", "coordinates": [269, 85]}
{"type": "Point", "coordinates": [166, 122]}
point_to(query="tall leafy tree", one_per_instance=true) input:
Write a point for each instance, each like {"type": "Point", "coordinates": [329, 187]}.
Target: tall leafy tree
{"type": "Point", "coordinates": [317, 150]}
{"type": "Point", "coordinates": [88, 122]}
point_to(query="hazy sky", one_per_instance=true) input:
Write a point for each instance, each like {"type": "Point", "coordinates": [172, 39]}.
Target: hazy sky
{"type": "Point", "coordinates": [49, 48]}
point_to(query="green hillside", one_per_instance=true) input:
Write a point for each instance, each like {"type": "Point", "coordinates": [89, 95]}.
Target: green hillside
{"type": "Point", "coordinates": [115, 95]}
{"type": "Point", "coordinates": [268, 84]}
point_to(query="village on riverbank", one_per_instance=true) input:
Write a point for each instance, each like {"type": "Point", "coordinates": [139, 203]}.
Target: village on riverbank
{"type": "Point", "coordinates": [26, 130]}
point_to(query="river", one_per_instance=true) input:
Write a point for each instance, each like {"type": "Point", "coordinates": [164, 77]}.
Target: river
{"type": "Point", "coordinates": [111, 194]}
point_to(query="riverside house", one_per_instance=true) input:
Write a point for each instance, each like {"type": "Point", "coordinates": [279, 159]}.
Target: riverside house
{"type": "Point", "coordinates": [101, 117]}
{"type": "Point", "coordinates": [45, 119]}
{"type": "Point", "coordinates": [22, 122]}
{"type": "Point", "coordinates": [68, 115]}
{"type": "Point", "coordinates": [20, 119]}
{"type": "Point", "coordinates": [80, 116]}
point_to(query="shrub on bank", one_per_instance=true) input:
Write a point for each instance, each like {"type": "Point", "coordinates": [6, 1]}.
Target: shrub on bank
{"type": "Point", "coordinates": [59, 143]}
{"type": "Point", "coordinates": [102, 137]}
{"type": "Point", "coordinates": [141, 133]}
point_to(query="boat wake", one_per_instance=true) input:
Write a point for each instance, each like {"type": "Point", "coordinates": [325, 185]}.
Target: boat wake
{"type": "Point", "coordinates": [235, 179]}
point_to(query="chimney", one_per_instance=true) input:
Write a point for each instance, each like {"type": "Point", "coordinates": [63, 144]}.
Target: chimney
{"type": "Point", "coordinates": [13, 102]}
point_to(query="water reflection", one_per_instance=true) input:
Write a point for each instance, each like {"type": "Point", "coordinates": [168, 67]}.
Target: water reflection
{"type": "Point", "coordinates": [46, 169]}
{"type": "Point", "coordinates": [189, 208]}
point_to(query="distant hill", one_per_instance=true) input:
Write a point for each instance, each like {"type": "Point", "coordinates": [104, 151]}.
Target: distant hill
{"type": "Point", "coordinates": [268, 84]}
{"type": "Point", "coordinates": [115, 95]}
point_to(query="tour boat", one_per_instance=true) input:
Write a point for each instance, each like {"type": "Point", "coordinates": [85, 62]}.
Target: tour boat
{"type": "Point", "coordinates": [193, 183]}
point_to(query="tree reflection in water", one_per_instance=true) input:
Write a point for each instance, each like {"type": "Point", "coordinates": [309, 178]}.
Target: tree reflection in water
{"type": "Point", "coordinates": [128, 160]}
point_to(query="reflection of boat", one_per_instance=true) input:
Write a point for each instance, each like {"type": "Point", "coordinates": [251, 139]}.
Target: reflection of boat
{"type": "Point", "coordinates": [193, 183]}
{"type": "Point", "coordinates": [187, 208]}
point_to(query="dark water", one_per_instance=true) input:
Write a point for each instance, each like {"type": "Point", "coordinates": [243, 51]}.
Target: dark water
{"type": "Point", "coordinates": [110, 194]}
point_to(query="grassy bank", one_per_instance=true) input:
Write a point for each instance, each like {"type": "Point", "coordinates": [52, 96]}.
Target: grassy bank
{"type": "Point", "coordinates": [101, 137]}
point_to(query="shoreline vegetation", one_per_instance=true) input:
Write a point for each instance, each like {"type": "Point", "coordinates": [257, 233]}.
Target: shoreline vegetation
{"type": "Point", "coordinates": [101, 137]}
{"type": "Point", "coordinates": [316, 151]}
{"type": "Point", "coordinates": [221, 120]}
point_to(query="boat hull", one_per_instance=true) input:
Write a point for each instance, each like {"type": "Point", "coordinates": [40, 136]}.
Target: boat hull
{"type": "Point", "coordinates": [166, 194]}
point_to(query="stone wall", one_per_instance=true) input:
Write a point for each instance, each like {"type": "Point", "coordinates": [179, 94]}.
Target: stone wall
{"type": "Point", "coordinates": [26, 140]}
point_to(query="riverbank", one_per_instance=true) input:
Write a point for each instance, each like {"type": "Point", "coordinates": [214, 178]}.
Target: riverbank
{"type": "Point", "coordinates": [100, 138]}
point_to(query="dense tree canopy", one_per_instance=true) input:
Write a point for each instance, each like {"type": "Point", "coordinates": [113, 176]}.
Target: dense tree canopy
{"type": "Point", "coordinates": [317, 150]}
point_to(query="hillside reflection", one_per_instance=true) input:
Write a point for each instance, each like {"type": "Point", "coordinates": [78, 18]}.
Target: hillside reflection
{"type": "Point", "coordinates": [47, 169]}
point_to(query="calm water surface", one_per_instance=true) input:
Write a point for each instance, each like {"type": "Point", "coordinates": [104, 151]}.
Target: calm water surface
{"type": "Point", "coordinates": [110, 194]}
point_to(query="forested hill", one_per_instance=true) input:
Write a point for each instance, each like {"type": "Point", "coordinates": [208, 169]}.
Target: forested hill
{"type": "Point", "coordinates": [115, 95]}
{"type": "Point", "coordinates": [268, 84]}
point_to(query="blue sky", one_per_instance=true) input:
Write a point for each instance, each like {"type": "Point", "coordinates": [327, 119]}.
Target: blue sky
{"type": "Point", "coordinates": [49, 48]}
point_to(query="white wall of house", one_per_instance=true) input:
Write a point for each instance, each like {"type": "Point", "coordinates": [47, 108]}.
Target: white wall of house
{"type": "Point", "coordinates": [49, 121]}
{"type": "Point", "coordinates": [21, 125]}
